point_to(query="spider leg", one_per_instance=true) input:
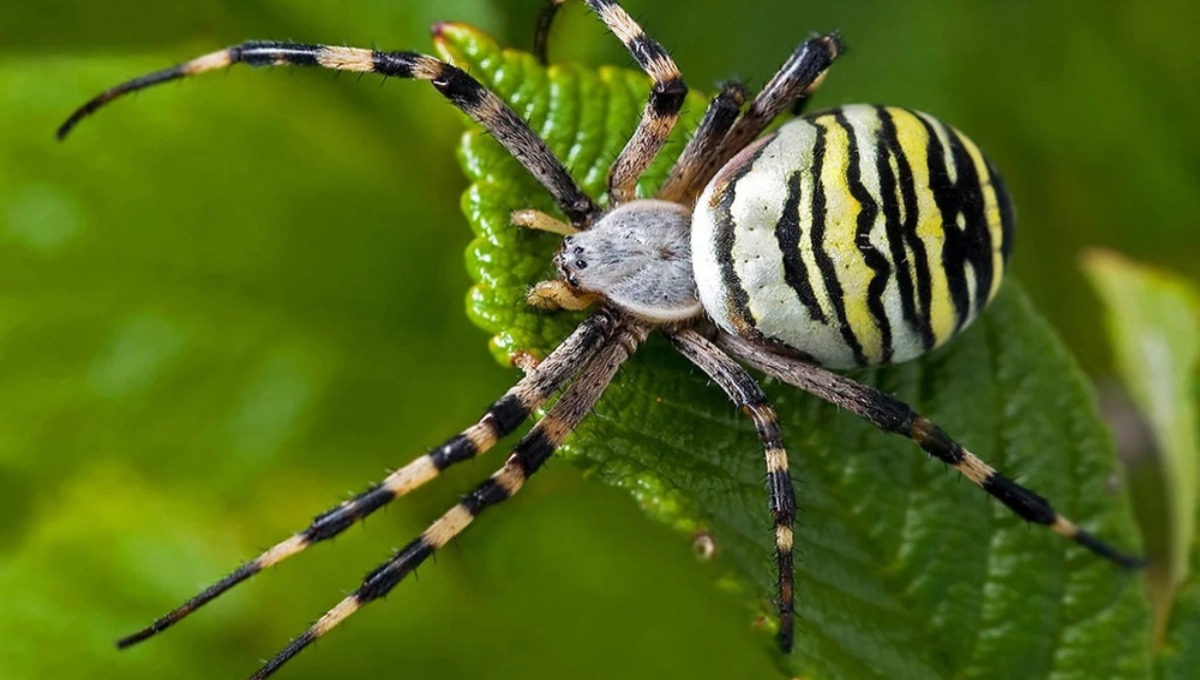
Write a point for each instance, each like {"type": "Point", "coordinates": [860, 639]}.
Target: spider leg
{"type": "Point", "coordinates": [536, 219]}
{"type": "Point", "coordinates": [554, 295]}
{"type": "Point", "coordinates": [681, 185]}
{"type": "Point", "coordinates": [795, 81]}
{"type": "Point", "coordinates": [541, 34]}
{"type": "Point", "coordinates": [501, 419]}
{"type": "Point", "coordinates": [662, 110]}
{"type": "Point", "coordinates": [746, 393]}
{"type": "Point", "coordinates": [530, 453]}
{"type": "Point", "coordinates": [892, 415]}
{"type": "Point", "coordinates": [462, 90]}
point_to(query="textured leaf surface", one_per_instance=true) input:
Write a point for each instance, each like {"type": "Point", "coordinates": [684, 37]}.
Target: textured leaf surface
{"type": "Point", "coordinates": [905, 571]}
{"type": "Point", "coordinates": [1154, 325]}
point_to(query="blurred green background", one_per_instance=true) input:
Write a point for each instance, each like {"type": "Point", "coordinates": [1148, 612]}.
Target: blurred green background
{"type": "Point", "coordinates": [225, 303]}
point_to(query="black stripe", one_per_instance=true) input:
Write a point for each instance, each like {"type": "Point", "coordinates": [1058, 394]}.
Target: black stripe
{"type": "Point", "coordinates": [1105, 550]}
{"type": "Point", "coordinates": [666, 99]}
{"type": "Point", "coordinates": [868, 214]}
{"type": "Point", "coordinates": [644, 50]}
{"type": "Point", "coordinates": [533, 450]}
{"type": "Point", "coordinates": [905, 240]}
{"type": "Point", "coordinates": [456, 449]}
{"type": "Point", "coordinates": [484, 496]}
{"type": "Point", "coordinates": [977, 241]}
{"type": "Point", "coordinates": [935, 441]}
{"type": "Point", "coordinates": [833, 287]}
{"type": "Point", "coordinates": [385, 577]}
{"type": "Point", "coordinates": [946, 197]}
{"type": "Point", "coordinates": [508, 413]}
{"type": "Point", "coordinates": [1004, 200]}
{"type": "Point", "coordinates": [270, 52]}
{"type": "Point", "coordinates": [783, 498]}
{"type": "Point", "coordinates": [396, 64]}
{"type": "Point", "coordinates": [737, 302]}
{"type": "Point", "coordinates": [1027, 504]}
{"type": "Point", "coordinates": [787, 233]}
{"type": "Point", "coordinates": [794, 80]}
{"type": "Point", "coordinates": [787, 600]}
{"type": "Point", "coordinates": [332, 522]}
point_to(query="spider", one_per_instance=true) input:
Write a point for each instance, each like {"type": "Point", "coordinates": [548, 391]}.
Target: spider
{"type": "Point", "coordinates": [857, 236]}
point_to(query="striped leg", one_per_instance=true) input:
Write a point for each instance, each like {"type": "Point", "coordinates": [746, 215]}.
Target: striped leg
{"type": "Point", "coordinates": [530, 453]}
{"type": "Point", "coordinates": [541, 34]}
{"type": "Point", "coordinates": [662, 110]}
{"type": "Point", "coordinates": [748, 396]}
{"type": "Point", "coordinates": [892, 415]}
{"type": "Point", "coordinates": [794, 82]}
{"type": "Point", "coordinates": [461, 89]}
{"type": "Point", "coordinates": [720, 116]}
{"type": "Point", "coordinates": [501, 419]}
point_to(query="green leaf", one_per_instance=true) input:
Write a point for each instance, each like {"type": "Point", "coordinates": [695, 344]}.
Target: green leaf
{"type": "Point", "coordinates": [224, 304]}
{"type": "Point", "coordinates": [1153, 320]}
{"type": "Point", "coordinates": [905, 571]}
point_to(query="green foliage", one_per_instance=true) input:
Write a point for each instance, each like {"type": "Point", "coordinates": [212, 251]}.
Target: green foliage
{"type": "Point", "coordinates": [1154, 324]}
{"type": "Point", "coordinates": [905, 571]}
{"type": "Point", "coordinates": [225, 302]}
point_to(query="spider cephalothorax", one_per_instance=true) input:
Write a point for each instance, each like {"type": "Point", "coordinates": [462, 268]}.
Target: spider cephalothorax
{"type": "Point", "coordinates": [638, 258]}
{"type": "Point", "coordinates": [857, 236]}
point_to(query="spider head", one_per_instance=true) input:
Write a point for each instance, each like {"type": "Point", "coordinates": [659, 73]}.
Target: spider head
{"type": "Point", "coordinates": [571, 259]}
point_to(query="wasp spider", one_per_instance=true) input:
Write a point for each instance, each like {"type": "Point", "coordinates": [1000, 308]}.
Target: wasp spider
{"type": "Point", "coordinates": [857, 236]}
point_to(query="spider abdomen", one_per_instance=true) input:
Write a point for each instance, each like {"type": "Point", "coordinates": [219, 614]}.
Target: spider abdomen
{"type": "Point", "coordinates": [860, 236]}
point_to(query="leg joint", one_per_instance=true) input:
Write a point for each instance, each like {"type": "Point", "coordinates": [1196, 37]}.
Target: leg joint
{"type": "Point", "coordinates": [667, 97]}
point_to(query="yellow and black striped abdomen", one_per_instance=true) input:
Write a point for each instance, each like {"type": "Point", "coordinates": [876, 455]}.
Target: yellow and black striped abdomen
{"type": "Point", "coordinates": [860, 235]}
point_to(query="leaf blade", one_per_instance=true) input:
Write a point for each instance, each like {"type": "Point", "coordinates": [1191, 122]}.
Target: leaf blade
{"type": "Point", "coordinates": [894, 569]}
{"type": "Point", "coordinates": [1153, 321]}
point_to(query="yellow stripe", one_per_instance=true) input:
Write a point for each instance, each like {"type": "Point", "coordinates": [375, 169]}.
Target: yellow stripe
{"type": "Point", "coordinates": [346, 58]}
{"type": "Point", "coordinates": [914, 143]}
{"type": "Point", "coordinates": [777, 461]}
{"type": "Point", "coordinates": [841, 224]}
{"type": "Point", "coordinates": [482, 435]}
{"type": "Point", "coordinates": [409, 477]}
{"type": "Point", "coordinates": [1063, 527]}
{"type": "Point", "coordinates": [975, 469]}
{"type": "Point", "coordinates": [208, 62]}
{"type": "Point", "coordinates": [448, 526]}
{"type": "Point", "coordinates": [510, 478]}
{"type": "Point", "coordinates": [281, 551]}
{"type": "Point", "coordinates": [783, 538]}
{"type": "Point", "coordinates": [340, 612]}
